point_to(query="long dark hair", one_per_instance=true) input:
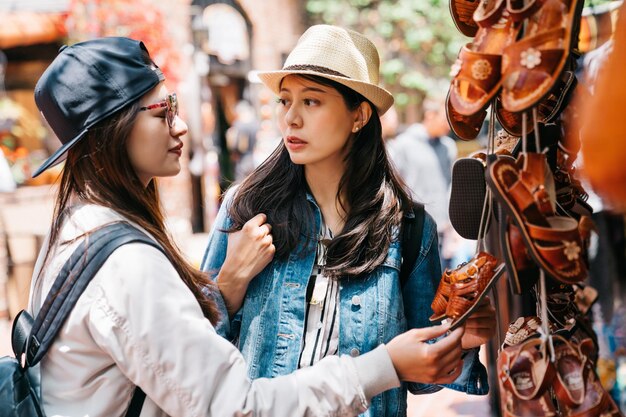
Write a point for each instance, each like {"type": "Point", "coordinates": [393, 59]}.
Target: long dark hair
{"type": "Point", "coordinates": [98, 171]}
{"type": "Point", "coordinates": [375, 198]}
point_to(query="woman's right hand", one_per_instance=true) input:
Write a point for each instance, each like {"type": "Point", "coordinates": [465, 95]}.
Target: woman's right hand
{"type": "Point", "coordinates": [249, 251]}
{"type": "Point", "coordinates": [418, 361]}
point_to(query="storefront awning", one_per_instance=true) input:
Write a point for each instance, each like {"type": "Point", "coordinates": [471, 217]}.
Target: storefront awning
{"type": "Point", "coordinates": [40, 6]}
{"type": "Point", "coordinates": [28, 28]}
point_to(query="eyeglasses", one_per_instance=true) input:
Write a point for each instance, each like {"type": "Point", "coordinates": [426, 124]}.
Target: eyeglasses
{"type": "Point", "coordinates": [171, 102]}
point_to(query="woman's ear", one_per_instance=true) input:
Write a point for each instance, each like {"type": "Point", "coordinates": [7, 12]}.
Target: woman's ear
{"type": "Point", "coordinates": [363, 114]}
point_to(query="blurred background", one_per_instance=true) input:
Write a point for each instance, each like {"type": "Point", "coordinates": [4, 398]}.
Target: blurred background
{"type": "Point", "coordinates": [207, 49]}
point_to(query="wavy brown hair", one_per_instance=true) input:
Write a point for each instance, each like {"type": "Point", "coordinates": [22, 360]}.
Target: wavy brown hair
{"type": "Point", "coordinates": [98, 171]}
{"type": "Point", "coordinates": [370, 192]}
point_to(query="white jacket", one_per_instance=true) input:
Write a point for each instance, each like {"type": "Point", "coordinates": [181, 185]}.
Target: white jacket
{"type": "Point", "coordinates": [137, 323]}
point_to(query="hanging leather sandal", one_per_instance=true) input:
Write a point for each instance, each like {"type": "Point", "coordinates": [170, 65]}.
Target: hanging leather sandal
{"type": "Point", "coordinates": [534, 64]}
{"type": "Point", "coordinates": [524, 375]}
{"type": "Point", "coordinates": [554, 242]}
{"type": "Point", "coordinates": [477, 71]}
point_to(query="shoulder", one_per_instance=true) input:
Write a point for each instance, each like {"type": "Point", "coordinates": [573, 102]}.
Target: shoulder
{"type": "Point", "coordinates": [135, 265]}
{"type": "Point", "coordinates": [449, 143]}
{"type": "Point", "coordinates": [229, 195]}
{"type": "Point", "coordinates": [429, 226]}
{"type": "Point", "coordinates": [134, 276]}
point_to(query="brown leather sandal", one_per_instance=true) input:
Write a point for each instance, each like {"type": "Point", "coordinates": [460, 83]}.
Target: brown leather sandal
{"type": "Point", "coordinates": [465, 127]}
{"type": "Point", "coordinates": [571, 373]}
{"type": "Point", "coordinates": [469, 284]}
{"type": "Point", "coordinates": [553, 242]}
{"type": "Point", "coordinates": [521, 270]}
{"type": "Point", "coordinates": [477, 71]}
{"type": "Point", "coordinates": [548, 108]}
{"type": "Point", "coordinates": [442, 296]}
{"type": "Point", "coordinates": [584, 298]}
{"type": "Point", "coordinates": [524, 375]}
{"type": "Point", "coordinates": [535, 63]}
{"type": "Point", "coordinates": [579, 392]}
{"type": "Point", "coordinates": [462, 12]}
{"type": "Point", "coordinates": [570, 193]}
{"type": "Point", "coordinates": [525, 328]}
{"type": "Point", "coordinates": [521, 330]}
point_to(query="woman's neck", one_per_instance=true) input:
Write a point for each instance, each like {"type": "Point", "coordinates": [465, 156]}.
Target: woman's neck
{"type": "Point", "coordinates": [324, 185]}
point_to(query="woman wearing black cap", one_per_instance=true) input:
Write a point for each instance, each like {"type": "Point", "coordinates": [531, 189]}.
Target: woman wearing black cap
{"type": "Point", "coordinates": [144, 319]}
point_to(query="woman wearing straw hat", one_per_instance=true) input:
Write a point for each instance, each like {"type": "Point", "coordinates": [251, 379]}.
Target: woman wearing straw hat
{"type": "Point", "coordinates": [144, 320]}
{"type": "Point", "coordinates": [334, 206]}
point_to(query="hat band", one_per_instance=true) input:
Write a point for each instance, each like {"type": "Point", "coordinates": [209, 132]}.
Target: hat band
{"type": "Point", "coordinates": [315, 68]}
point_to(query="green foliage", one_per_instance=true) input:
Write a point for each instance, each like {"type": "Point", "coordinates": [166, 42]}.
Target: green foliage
{"type": "Point", "coordinates": [596, 2]}
{"type": "Point", "coordinates": [417, 39]}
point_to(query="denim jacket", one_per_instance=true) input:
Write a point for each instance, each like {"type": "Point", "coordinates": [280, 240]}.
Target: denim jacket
{"type": "Point", "coordinates": [269, 328]}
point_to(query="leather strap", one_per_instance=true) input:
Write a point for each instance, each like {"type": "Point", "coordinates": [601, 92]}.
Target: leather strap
{"type": "Point", "coordinates": [489, 12]}
{"type": "Point", "coordinates": [528, 9]}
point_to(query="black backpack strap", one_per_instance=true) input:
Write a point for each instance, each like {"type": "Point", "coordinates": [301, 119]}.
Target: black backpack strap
{"type": "Point", "coordinates": [412, 231]}
{"type": "Point", "coordinates": [74, 277]}
{"type": "Point", "coordinates": [134, 409]}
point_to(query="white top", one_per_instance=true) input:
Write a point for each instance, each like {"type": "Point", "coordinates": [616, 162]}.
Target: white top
{"type": "Point", "coordinates": [137, 323]}
{"type": "Point", "coordinates": [321, 328]}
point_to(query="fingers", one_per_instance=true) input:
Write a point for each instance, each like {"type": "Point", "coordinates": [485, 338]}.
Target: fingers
{"type": "Point", "coordinates": [432, 332]}
{"type": "Point", "coordinates": [484, 316]}
{"type": "Point", "coordinates": [267, 240]}
{"type": "Point", "coordinates": [447, 350]}
{"type": "Point", "coordinates": [257, 220]}
{"type": "Point", "coordinates": [451, 341]}
{"type": "Point", "coordinates": [450, 359]}
{"type": "Point", "coordinates": [480, 322]}
{"type": "Point", "coordinates": [257, 228]}
{"type": "Point", "coordinates": [446, 357]}
{"type": "Point", "coordinates": [265, 229]}
{"type": "Point", "coordinates": [451, 375]}
{"type": "Point", "coordinates": [268, 243]}
{"type": "Point", "coordinates": [484, 309]}
{"type": "Point", "coordinates": [249, 250]}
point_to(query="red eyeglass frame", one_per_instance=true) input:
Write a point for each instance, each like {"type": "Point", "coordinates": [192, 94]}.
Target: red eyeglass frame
{"type": "Point", "coordinates": [171, 103]}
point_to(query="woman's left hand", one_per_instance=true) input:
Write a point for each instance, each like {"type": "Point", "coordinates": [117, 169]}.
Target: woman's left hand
{"type": "Point", "coordinates": [480, 327]}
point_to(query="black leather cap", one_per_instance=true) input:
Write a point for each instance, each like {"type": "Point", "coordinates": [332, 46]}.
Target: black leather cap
{"type": "Point", "coordinates": [88, 82]}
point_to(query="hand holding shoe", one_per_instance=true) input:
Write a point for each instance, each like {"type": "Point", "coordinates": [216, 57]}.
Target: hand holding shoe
{"type": "Point", "coordinates": [418, 361]}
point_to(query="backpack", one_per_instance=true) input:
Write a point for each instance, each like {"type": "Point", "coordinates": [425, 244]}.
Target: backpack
{"type": "Point", "coordinates": [31, 339]}
{"type": "Point", "coordinates": [412, 231]}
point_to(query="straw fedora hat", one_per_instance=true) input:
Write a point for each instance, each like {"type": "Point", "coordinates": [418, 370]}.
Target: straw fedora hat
{"type": "Point", "coordinates": [338, 54]}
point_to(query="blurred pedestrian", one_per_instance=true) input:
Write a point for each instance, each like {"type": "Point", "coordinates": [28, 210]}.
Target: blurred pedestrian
{"type": "Point", "coordinates": [241, 139]}
{"type": "Point", "coordinates": [335, 206]}
{"type": "Point", "coordinates": [423, 156]}
{"type": "Point", "coordinates": [145, 318]}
